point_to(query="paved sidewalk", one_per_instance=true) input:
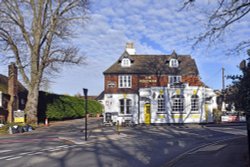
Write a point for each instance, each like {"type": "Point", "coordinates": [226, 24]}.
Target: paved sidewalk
{"type": "Point", "coordinates": [231, 153]}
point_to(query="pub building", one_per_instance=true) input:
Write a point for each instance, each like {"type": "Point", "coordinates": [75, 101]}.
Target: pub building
{"type": "Point", "coordinates": [156, 89]}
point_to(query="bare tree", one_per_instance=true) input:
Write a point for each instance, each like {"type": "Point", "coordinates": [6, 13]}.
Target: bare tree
{"type": "Point", "coordinates": [35, 34]}
{"type": "Point", "coordinates": [156, 66]}
{"type": "Point", "coordinates": [224, 15]}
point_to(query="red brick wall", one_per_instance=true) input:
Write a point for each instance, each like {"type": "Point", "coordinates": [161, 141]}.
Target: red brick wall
{"type": "Point", "coordinates": [144, 81]}
{"type": "Point", "coordinates": [192, 80]}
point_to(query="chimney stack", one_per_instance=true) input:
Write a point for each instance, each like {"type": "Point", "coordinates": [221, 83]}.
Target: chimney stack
{"type": "Point", "coordinates": [12, 91]}
{"type": "Point", "coordinates": [130, 48]}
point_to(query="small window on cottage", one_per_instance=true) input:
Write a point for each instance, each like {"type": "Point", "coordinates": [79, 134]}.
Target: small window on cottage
{"type": "Point", "coordinates": [174, 79]}
{"type": "Point", "coordinates": [161, 103]}
{"type": "Point", "coordinates": [178, 104]}
{"type": "Point", "coordinates": [111, 84]}
{"type": "Point", "coordinates": [194, 103]}
{"type": "Point", "coordinates": [173, 63]}
{"type": "Point", "coordinates": [126, 62]}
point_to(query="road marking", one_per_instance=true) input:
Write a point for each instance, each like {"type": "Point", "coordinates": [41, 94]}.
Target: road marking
{"type": "Point", "coordinates": [63, 146]}
{"type": "Point", "coordinates": [184, 154]}
{"type": "Point", "coordinates": [6, 157]}
{"type": "Point", "coordinates": [209, 148]}
{"type": "Point", "coordinates": [13, 158]}
{"type": "Point", "coordinates": [25, 153]}
{"type": "Point", "coordinates": [4, 151]}
{"type": "Point", "coordinates": [55, 149]}
{"type": "Point", "coordinates": [46, 149]}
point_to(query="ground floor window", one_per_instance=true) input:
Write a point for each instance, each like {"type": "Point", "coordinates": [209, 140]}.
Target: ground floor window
{"type": "Point", "coordinates": [125, 106]}
{"type": "Point", "coordinates": [178, 103]}
{"type": "Point", "coordinates": [161, 104]}
{"type": "Point", "coordinates": [194, 103]}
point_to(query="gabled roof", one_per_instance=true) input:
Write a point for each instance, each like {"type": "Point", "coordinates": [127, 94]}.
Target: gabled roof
{"type": "Point", "coordinates": [4, 85]}
{"type": "Point", "coordinates": [148, 64]}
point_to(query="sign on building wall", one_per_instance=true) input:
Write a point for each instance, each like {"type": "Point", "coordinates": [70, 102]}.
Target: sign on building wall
{"type": "Point", "coordinates": [147, 79]}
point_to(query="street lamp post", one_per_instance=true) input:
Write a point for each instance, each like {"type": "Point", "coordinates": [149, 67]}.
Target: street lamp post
{"type": "Point", "coordinates": [85, 92]}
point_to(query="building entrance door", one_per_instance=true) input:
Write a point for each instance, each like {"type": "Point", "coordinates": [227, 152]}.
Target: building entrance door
{"type": "Point", "coordinates": [147, 114]}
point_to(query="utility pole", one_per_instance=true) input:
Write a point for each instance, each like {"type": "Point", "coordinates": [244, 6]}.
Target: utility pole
{"type": "Point", "coordinates": [223, 89]}
{"type": "Point", "coordinates": [223, 78]}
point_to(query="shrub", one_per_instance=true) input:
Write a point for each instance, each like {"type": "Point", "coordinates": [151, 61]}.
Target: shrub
{"type": "Point", "coordinates": [59, 107]}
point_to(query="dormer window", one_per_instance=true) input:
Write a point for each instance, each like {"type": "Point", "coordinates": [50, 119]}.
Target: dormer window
{"type": "Point", "coordinates": [173, 63]}
{"type": "Point", "coordinates": [126, 62]}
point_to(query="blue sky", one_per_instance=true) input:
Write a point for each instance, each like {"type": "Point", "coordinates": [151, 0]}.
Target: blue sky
{"type": "Point", "coordinates": [155, 27]}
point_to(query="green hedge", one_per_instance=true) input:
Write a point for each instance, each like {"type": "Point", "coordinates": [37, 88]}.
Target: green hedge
{"type": "Point", "coordinates": [59, 107]}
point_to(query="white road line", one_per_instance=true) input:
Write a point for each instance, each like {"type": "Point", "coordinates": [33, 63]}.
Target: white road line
{"type": "Point", "coordinates": [6, 157]}
{"type": "Point", "coordinates": [55, 149]}
{"type": "Point", "coordinates": [178, 157]}
{"type": "Point", "coordinates": [35, 153]}
{"type": "Point", "coordinates": [4, 151]}
{"type": "Point", "coordinates": [13, 158]}
{"type": "Point", "coordinates": [63, 146]}
{"type": "Point", "coordinates": [46, 149]}
{"type": "Point", "coordinates": [25, 153]}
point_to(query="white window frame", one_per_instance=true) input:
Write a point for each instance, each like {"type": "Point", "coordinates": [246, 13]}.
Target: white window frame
{"type": "Point", "coordinates": [126, 62]}
{"type": "Point", "coordinates": [125, 81]}
{"type": "Point", "coordinates": [174, 79]}
{"type": "Point", "coordinates": [178, 104]}
{"type": "Point", "coordinates": [194, 103]}
{"type": "Point", "coordinates": [125, 106]}
{"type": "Point", "coordinates": [111, 84]}
{"type": "Point", "coordinates": [161, 104]}
{"type": "Point", "coordinates": [173, 63]}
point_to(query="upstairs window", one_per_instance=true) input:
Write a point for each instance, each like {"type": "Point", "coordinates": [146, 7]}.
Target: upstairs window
{"type": "Point", "coordinates": [126, 62]}
{"type": "Point", "coordinates": [173, 63]}
{"type": "Point", "coordinates": [174, 79]}
{"type": "Point", "coordinates": [125, 81]}
{"type": "Point", "coordinates": [161, 104]}
{"type": "Point", "coordinates": [111, 84]}
{"type": "Point", "coordinates": [194, 103]}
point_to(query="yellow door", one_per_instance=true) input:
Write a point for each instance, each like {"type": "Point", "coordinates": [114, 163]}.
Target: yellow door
{"type": "Point", "coordinates": [147, 114]}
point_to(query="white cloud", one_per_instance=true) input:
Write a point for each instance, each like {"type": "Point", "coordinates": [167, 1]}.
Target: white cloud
{"type": "Point", "coordinates": [155, 27]}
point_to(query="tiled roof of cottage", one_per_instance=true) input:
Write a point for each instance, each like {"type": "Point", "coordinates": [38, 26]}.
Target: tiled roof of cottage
{"type": "Point", "coordinates": [4, 85]}
{"type": "Point", "coordinates": [150, 64]}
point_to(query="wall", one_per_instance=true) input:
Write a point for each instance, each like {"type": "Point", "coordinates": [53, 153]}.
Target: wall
{"type": "Point", "coordinates": [112, 104]}
{"type": "Point", "coordinates": [144, 81]}
{"type": "Point", "coordinates": [204, 114]}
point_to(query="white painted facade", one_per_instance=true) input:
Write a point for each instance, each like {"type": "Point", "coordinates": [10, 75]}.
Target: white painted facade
{"type": "Point", "coordinates": [112, 105]}
{"type": "Point", "coordinates": [206, 104]}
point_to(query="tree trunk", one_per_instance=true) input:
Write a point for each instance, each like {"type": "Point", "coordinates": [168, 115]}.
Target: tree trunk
{"type": "Point", "coordinates": [31, 105]}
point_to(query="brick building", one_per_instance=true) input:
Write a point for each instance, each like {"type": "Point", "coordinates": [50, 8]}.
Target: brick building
{"type": "Point", "coordinates": [12, 94]}
{"type": "Point", "coordinates": [156, 89]}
